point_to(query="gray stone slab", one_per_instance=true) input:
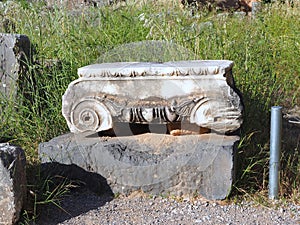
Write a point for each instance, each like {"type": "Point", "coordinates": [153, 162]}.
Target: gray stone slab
{"type": "Point", "coordinates": [12, 183]}
{"type": "Point", "coordinates": [153, 163]}
{"type": "Point", "coordinates": [73, 4]}
{"type": "Point", "coordinates": [14, 54]}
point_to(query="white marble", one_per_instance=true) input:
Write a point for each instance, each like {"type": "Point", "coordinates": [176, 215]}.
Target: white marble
{"type": "Point", "coordinates": [198, 92]}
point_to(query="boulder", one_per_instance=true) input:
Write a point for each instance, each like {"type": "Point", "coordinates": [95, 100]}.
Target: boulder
{"type": "Point", "coordinates": [12, 183]}
{"type": "Point", "coordinates": [15, 54]}
{"type": "Point", "coordinates": [151, 162]}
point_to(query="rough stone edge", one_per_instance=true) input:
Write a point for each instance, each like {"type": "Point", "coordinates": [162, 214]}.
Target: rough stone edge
{"type": "Point", "coordinates": [14, 160]}
{"type": "Point", "coordinates": [20, 49]}
{"type": "Point", "coordinates": [136, 69]}
{"type": "Point", "coordinates": [231, 153]}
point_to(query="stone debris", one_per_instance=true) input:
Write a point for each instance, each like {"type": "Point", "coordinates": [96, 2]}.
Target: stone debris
{"type": "Point", "coordinates": [292, 115]}
{"type": "Point", "coordinates": [12, 183]}
{"type": "Point", "coordinates": [15, 53]}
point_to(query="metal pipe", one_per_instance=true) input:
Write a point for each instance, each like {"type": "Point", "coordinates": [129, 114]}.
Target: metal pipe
{"type": "Point", "coordinates": [275, 148]}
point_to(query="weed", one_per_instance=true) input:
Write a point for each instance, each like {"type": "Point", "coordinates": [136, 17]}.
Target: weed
{"type": "Point", "coordinates": [43, 191]}
{"type": "Point", "coordinates": [266, 53]}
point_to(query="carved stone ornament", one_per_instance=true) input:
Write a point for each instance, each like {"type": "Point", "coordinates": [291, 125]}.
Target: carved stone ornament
{"type": "Point", "coordinates": [199, 92]}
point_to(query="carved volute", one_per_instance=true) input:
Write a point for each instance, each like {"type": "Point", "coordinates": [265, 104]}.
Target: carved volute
{"type": "Point", "coordinates": [195, 92]}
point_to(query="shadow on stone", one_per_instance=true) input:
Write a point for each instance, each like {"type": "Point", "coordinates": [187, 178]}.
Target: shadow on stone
{"type": "Point", "coordinates": [93, 181]}
{"type": "Point", "coordinates": [91, 193]}
{"type": "Point", "coordinates": [129, 129]}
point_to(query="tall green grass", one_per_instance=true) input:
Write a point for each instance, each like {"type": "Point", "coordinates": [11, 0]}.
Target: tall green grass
{"type": "Point", "coordinates": [266, 52]}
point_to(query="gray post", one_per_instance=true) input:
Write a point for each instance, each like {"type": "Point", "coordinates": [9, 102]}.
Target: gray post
{"type": "Point", "coordinates": [275, 146]}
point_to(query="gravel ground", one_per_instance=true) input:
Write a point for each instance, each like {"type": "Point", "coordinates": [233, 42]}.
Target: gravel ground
{"type": "Point", "coordinates": [85, 208]}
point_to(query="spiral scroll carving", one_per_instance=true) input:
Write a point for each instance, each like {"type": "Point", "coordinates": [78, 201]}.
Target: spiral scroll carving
{"type": "Point", "coordinates": [220, 116]}
{"type": "Point", "coordinates": [90, 115]}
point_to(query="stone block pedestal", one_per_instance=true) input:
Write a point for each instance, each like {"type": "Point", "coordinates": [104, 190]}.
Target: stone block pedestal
{"type": "Point", "coordinates": [151, 162]}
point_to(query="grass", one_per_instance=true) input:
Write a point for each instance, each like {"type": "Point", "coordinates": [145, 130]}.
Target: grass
{"type": "Point", "coordinates": [45, 191]}
{"type": "Point", "coordinates": [266, 52]}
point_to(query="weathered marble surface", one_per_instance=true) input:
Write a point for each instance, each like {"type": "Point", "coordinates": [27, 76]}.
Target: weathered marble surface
{"type": "Point", "coordinates": [12, 183]}
{"type": "Point", "coordinates": [153, 163]}
{"type": "Point", "coordinates": [199, 92]}
{"type": "Point", "coordinates": [14, 53]}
